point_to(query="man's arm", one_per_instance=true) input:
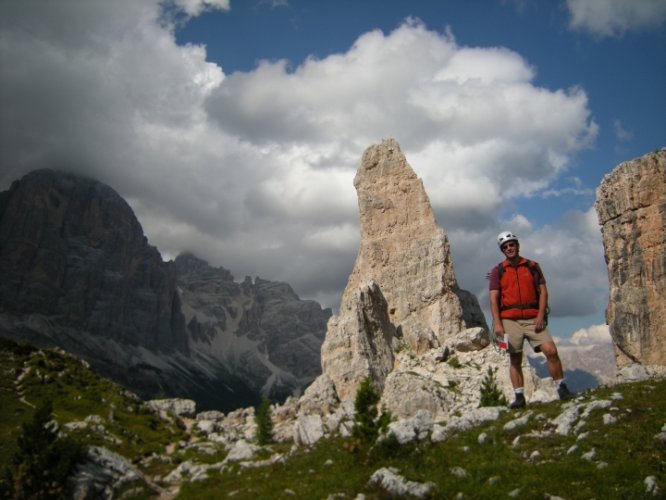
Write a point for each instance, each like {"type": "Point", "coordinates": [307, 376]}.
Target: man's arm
{"type": "Point", "coordinates": [543, 302]}
{"type": "Point", "coordinates": [495, 311]}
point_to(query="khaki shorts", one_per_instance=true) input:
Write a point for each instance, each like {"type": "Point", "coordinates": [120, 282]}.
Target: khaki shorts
{"type": "Point", "coordinates": [522, 329]}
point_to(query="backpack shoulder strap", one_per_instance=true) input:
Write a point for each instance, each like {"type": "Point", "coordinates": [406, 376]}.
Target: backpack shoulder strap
{"type": "Point", "coordinates": [535, 269]}
{"type": "Point", "coordinates": [500, 270]}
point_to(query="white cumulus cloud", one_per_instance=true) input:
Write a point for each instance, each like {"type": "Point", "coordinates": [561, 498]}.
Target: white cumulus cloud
{"type": "Point", "coordinates": [254, 170]}
{"type": "Point", "coordinates": [607, 18]}
{"type": "Point", "coordinates": [196, 7]}
{"type": "Point", "coordinates": [595, 334]}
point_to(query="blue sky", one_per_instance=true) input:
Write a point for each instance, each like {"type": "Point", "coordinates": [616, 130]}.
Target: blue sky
{"type": "Point", "coordinates": [234, 128]}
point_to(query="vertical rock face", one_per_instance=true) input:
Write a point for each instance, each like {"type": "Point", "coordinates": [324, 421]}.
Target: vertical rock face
{"type": "Point", "coordinates": [359, 342]}
{"type": "Point", "coordinates": [406, 257]}
{"type": "Point", "coordinates": [631, 205]}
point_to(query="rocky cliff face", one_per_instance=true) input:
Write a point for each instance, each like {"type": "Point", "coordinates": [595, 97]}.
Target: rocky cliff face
{"type": "Point", "coordinates": [402, 295]}
{"type": "Point", "coordinates": [631, 205]}
{"type": "Point", "coordinates": [76, 271]}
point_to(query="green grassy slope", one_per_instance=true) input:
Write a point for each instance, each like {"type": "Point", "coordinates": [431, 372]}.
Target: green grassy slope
{"type": "Point", "coordinates": [530, 460]}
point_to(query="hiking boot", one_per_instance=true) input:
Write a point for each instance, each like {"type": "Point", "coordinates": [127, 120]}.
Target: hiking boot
{"type": "Point", "coordinates": [563, 392]}
{"type": "Point", "coordinates": [519, 402]}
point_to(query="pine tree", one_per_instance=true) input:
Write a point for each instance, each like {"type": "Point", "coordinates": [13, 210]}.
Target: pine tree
{"type": "Point", "coordinates": [262, 418]}
{"type": "Point", "coordinates": [43, 460]}
{"type": "Point", "coordinates": [490, 393]}
{"type": "Point", "coordinates": [367, 423]}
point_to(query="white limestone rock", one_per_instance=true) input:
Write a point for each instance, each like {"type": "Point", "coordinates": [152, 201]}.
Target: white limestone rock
{"type": "Point", "coordinates": [471, 339]}
{"type": "Point", "coordinates": [358, 342]}
{"type": "Point", "coordinates": [416, 428]}
{"type": "Point", "coordinates": [630, 206]}
{"type": "Point", "coordinates": [469, 420]}
{"type": "Point", "coordinates": [192, 471]}
{"type": "Point", "coordinates": [633, 373]}
{"type": "Point", "coordinates": [103, 473]}
{"type": "Point", "coordinates": [174, 406]}
{"type": "Point", "coordinates": [564, 422]}
{"type": "Point", "coordinates": [651, 486]}
{"type": "Point", "coordinates": [241, 450]}
{"type": "Point", "coordinates": [308, 429]}
{"type": "Point", "coordinates": [393, 483]}
{"type": "Point", "coordinates": [406, 393]}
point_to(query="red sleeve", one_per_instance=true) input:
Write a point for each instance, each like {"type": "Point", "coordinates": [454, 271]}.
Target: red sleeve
{"type": "Point", "coordinates": [540, 278]}
{"type": "Point", "coordinates": [494, 279]}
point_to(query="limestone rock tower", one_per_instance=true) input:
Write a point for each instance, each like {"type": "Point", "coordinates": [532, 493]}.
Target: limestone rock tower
{"type": "Point", "coordinates": [403, 287]}
{"type": "Point", "coordinates": [631, 205]}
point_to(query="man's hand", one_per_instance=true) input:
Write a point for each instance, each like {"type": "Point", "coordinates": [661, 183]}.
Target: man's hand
{"type": "Point", "coordinates": [539, 324]}
{"type": "Point", "coordinates": [499, 331]}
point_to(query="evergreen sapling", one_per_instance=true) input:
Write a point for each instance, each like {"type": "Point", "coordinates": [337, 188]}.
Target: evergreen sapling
{"type": "Point", "coordinates": [43, 460]}
{"type": "Point", "coordinates": [367, 421]}
{"type": "Point", "coordinates": [262, 418]}
{"type": "Point", "coordinates": [490, 393]}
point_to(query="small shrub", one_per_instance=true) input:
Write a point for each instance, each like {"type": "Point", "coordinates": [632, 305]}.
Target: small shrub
{"type": "Point", "coordinates": [454, 362]}
{"type": "Point", "coordinates": [490, 393]}
{"type": "Point", "coordinates": [385, 448]}
{"type": "Point", "coordinates": [262, 418]}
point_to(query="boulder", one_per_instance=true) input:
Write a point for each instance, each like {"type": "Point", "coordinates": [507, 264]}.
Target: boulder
{"type": "Point", "coordinates": [104, 474]}
{"type": "Point", "coordinates": [174, 406]}
{"type": "Point", "coordinates": [308, 429]}
{"type": "Point", "coordinates": [388, 479]}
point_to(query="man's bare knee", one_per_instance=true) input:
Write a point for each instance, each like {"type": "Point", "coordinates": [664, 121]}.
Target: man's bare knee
{"type": "Point", "coordinates": [549, 349]}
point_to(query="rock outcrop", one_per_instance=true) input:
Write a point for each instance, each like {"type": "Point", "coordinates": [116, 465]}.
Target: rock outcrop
{"type": "Point", "coordinates": [402, 292]}
{"type": "Point", "coordinates": [77, 272]}
{"type": "Point", "coordinates": [359, 342]}
{"type": "Point", "coordinates": [631, 205]}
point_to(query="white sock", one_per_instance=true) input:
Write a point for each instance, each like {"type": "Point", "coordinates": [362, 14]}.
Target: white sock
{"type": "Point", "coordinates": [558, 383]}
{"type": "Point", "coordinates": [520, 390]}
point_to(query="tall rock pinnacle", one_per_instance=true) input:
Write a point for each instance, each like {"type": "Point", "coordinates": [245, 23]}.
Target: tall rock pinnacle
{"type": "Point", "coordinates": [631, 205]}
{"type": "Point", "coordinates": [403, 271]}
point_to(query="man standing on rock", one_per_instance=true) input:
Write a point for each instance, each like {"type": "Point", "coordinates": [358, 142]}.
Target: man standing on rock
{"type": "Point", "coordinates": [518, 302]}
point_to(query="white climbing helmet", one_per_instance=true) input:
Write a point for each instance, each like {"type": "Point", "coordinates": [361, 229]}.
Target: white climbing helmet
{"type": "Point", "coordinates": [505, 236]}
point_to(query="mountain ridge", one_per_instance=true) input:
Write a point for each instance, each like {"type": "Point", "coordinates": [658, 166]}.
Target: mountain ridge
{"type": "Point", "coordinates": [77, 271]}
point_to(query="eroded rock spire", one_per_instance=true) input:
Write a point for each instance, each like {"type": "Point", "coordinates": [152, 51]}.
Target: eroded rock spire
{"type": "Point", "coordinates": [402, 290]}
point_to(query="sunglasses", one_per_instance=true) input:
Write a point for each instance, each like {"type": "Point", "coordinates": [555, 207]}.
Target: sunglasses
{"type": "Point", "coordinates": [508, 245]}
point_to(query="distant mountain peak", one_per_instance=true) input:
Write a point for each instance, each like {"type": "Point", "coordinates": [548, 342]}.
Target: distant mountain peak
{"type": "Point", "coordinates": [76, 271]}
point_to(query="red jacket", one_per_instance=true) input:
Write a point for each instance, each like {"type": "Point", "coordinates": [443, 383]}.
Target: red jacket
{"type": "Point", "coordinates": [518, 286]}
